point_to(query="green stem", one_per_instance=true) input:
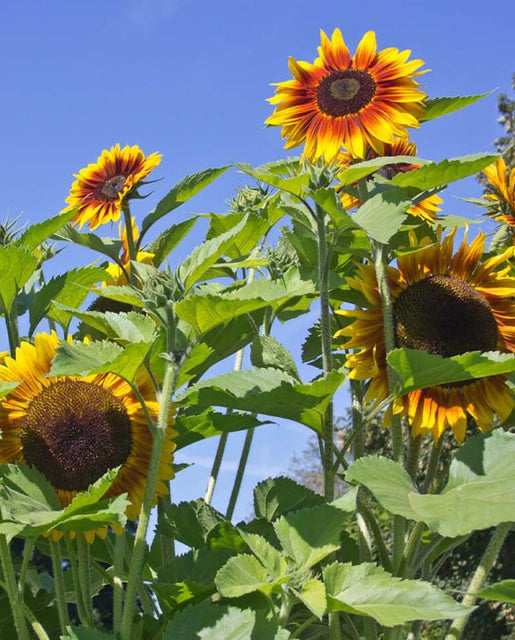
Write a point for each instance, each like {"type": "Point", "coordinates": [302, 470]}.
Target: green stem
{"type": "Point", "coordinates": [75, 578]}
{"type": "Point", "coordinates": [377, 535]}
{"type": "Point", "coordinates": [217, 462]}
{"type": "Point", "coordinates": [432, 465]}
{"type": "Point", "coordinates": [485, 564]}
{"type": "Point", "coordinates": [12, 590]}
{"type": "Point", "coordinates": [327, 356]}
{"type": "Point", "coordinates": [84, 577]}
{"type": "Point", "coordinates": [239, 474]}
{"type": "Point", "coordinates": [130, 240]}
{"type": "Point", "coordinates": [138, 553]}
{"type": "Point", "coordinates": [167, 544]}
{"type": "Point", "coordinates": [35, 624]}
{"type": "Point", "coordinates": [27, 557]}
{"type": "Point", "coordinates": [118, 567]}
{"type": "Point", "coordinates": [60, 595]}
{"type": "Point", "coordinates": [307, 623]}
{"type": "Point", "coordinates": [413, 456]}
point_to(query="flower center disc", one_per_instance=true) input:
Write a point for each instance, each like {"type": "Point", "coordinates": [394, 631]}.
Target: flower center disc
{"type": "Point", "coordinates": [74, 431]}
{"type": "Point", "coordinates": [112, 187]}
{"type": "Point", "coordinates": [344, 92]}
{"type": "Point", "coordinates": [444, 316]}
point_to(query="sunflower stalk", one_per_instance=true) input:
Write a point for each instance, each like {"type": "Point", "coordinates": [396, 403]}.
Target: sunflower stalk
{"type": "Point", "coordinates": [130, 238]}
{"type": "Point", "coordinates": [84, 577]}
{"type": "Point", "coordinates": [240, 473]}
{"type": "Point", "coordinates": [118, 565]}
{"type": "Point", "coordinates": [483, 569]}
{"type": "Point", "coordinates": [72, 556]}
{"type": "Point", "coordinates": [136, 563]}
{"type": "Point", "coordinates": [60, 595]}
{"type": "Point", "coordinates": [12, 590]}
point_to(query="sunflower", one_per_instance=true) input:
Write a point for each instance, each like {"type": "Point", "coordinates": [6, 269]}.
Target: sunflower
{"type": "Point", "coordinates": [351, 102]}
{"type": "Point", "coordinates": [444, 304]}
{"type": "Point", "coordinates": [100, 188]}
{"type": "Point", "coordinates": [500, 183]}
{"type": "Point", "coordinates": [114, 270]}
{"type": "Point", "coordinates": [75, 429]}
{"type": "Point", "coordinates": [427, 209]}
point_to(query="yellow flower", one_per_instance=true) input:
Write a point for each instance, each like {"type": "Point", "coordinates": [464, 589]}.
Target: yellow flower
{"type": "Point", "coordinates": [353, 102]}
{"type": "Point", "coordinates": [114, 270]}
{"type": "Point", "coordinates": [501, 184]}
{"type": "Point", "coordinates": [100, 188]}
{"type": "Point", "coordinates": [444, 304]}
{"type": "Point", "coordinates": [427, 209]}
{"type": "Point", "coordinates": [75, 429]}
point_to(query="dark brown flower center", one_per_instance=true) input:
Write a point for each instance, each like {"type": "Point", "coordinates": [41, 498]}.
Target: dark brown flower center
{"type": "Point", "coordinates": [111, 188]}
{"type": "Point", "coordinates": [344, 92]}
{"type": "Point", "coordinates": [445, 316]}
{"type": "Point", "coordinates": [74, 431]}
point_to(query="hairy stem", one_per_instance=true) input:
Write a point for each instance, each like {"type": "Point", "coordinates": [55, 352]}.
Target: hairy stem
{"type": "Point", "coordinates": [483, 569]}
{"type": "Point", "coordinates": [239, 474]}
{"type": "Point", "coordinates": [12, 590]}
{"type": "Point", "coordinates": [81, 609]}
{"type": "Point", "coordinates": [118, 567]}
{"type": "Point", "coordinates": [84, 577]}
{"type": "Point", "coordinates": [60, 595]}
{"type": "Point", "coordinates": [136, 564]}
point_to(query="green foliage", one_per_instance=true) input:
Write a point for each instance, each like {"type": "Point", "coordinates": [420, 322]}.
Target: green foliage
{"type": "Point", "coordinates": [363, 169]}
{"type": "Point", "coordinates": [295, 185]}
{"type": "Point", "coordinates": [109, 247]}
{"type": "Point", "coordinates": [382, 215]}
{"type": "Point", "coordinates": [437, 107]}
{"type": "Point", "coordinates": [17, 265]}
{"type": "Point", "coordinates": [166, 242]}
{"type": "Point", "coordinates": [37, 233]}
{"type": "Point", "coordinates": [503, 591]}
{"type": "Point", "coordinates": [268, 352]}
{"type": "Point", "coordinates": [275, 497]}
{"type": "Point", "coordinates": [419, 369]}
{"type": "Point", "coordinates": [369, 590]}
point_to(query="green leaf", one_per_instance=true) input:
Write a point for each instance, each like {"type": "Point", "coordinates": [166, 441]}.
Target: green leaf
{"type": "Point", "coordinates": [83, 633]}
{"type": "Point", "coordinates": [189, 522]}
{"type": "Point", "coordinates": [7, 387]}
{"type": "Point", "coordinates": [127, 327]}
{"type": "Point", "coordinates": [209, 621]}
{"type": "Point", "coordinates": [16, 267]}
{"type": "Point", "coordinates": [122, 294]}
{"type": "Point", "coordinates": [173, 596]}
{"type": "Point", "coordinates": [204, 311]}
{"type": "Point", "coordinates": [503, 591]}
{"type": "Point", "coordinates": [382, 215]}
{"type": "Point", "coordinates": [418, 369]}
{"type": "Point", "coordinates": [166, 242]}
{"type": "Point", "coordinates": [257, 225]}
{"type": "Point", "coordinates": [313, 595]}
{"type": "Point", "coordinates": [310, 535]}
{"type": "Point", "coordinates": [387, 480]}
{"type": "Point", "coordinates": [268, 352]}
{"type": "Point", "coordinates": [99, 357]}
{"type": "Point", "coordinates": [41, 231]}
{"type": "Point", "coordinates": [269, 392]}
{"type": "Point", "coordinates": [242, 574]}
{"type": "Point", "coordinates": [110, 247]}
{"type": "Point", "coordinates": [295, 185]}
{"type": "Point", "coordinates": [70, 288]}
{"type": "Point", "coordinates": [437, 107]}
{"type": "Point", "coordinates": [181, 193]}
{"type": "Point", "coordinates": [363, 169]}
{"type": "Point", "coordinates": [330, 203]}
{"type": "Point", "coordinates": [208, 253]}
{"type": "Point", "coordinates": [193, 427]}
{"type": "Point", "coordinates": [441, 173]}
{"type": "Point", "coordinates": [369, 590]}
{"type": "Point", "coordinates": [275, 497]}
{"type": "Point", "coordinates": [267, 555]}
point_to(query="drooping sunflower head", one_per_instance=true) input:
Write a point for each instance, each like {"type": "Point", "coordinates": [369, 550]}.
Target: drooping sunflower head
{"type": "Point", "coordinates": [351, 102]}
{"type": "Point", "coordinates": [100, 188]}
{"type": "Point", "coordinates": [446, 305]}
{"type": "Point", "coordinates": [426, 209]}
{"type": "Point", "coordinates": [500, 184]}
{"type": "Point", "coordinates": [73, 430]}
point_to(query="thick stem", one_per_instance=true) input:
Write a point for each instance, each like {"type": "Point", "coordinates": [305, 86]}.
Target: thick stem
{"type": "Point", "coordinates": [327, 357]}
{"type": "Point", "coordinates": [76, 582]}
{"type": "Point", "coordinates": [12, 590]}
{"type": "Point", "coordinates": [60, 595]}
{"type": "Point", "coordinates": [130, 242]}
{"type": "Point", "coordinates": [166, 543]}
{"type": "Point", "coordinates": [118, 567]}
{"type": "Point", "coordinates": [136, 564]}
{"type": "Point", "coordinates": [27, 557]}
{"type": "Point", "coordinates": [217, 462]}
{"type": "Point", "coordinates": [479, 577]}
{"type": "Point", "coordinates": [432, 465]}
{"type": "Point", "coordinates": [84, 577]}
{"type": "Point", "coordinates": [413, 456]}
{"type": "Point", "coordinates": [239, 474]}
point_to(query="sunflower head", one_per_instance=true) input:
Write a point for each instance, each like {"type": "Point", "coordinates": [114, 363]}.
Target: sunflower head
{"type": "Point", "coordinates": [100, 188]}
{"type": "Point", "coordinates": [446, 305]}
{"type": "Point", "coordinates": [352, 102]}
{"type": "Point", "coordinates": [499, 181]}
{"type": "Point", "coordinates": [73, 430]}
{"type": "Point", "coordinates": [426, 210]}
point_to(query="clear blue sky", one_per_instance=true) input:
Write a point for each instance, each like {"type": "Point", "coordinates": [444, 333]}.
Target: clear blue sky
{"type": "Point", "coordinates": [190, 79]}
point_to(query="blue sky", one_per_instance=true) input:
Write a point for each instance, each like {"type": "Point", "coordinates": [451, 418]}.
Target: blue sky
{"type": "Point", "coordinates": [190, 79]}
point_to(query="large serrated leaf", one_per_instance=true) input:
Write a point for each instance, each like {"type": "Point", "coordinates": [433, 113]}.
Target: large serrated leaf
{"type": "Point", "coordinates": [266, 351]}
{"type": "Point", "coordinates": [37, 233]}
{"type": "Point", "coordinates": [110, 247]}
{"type": "Point", "coordinates": [181, 193]}
{"type": "Point", "coordinates": [16, 267]}
{"type": "Point", "coordinates": [268, 392]}
{"type": "Point", "coordinates": [503, 591]}
{"type": "Point", "coordinates": [310, 535]}
{"type": "Point", "coordinates": [166, 242]}
{"type": "Point", "coordinates": [418, 369]}
{"type": "Point", "coordinates": [328, 200]}
{"type": "Point", "coordinates": [242, 574]}
{"type": "Point", "coordinates": [369, 590]}
{"type": "Point", "coordinates": [275, 497]}
{"type": "Point", "coordinates": [383, 214]}
{"type": "Point", "coordinates": [437, 107]}
{"type": "Point", "coordinates": [126, 327]}
{"type": "Point", "coordinates": [431, 176]}
{"type": "Point", "coordinates": [70, 288]}
{"type": "Point", "coordinates": [268, 555]}
{"type": "Point", "coordinates": [295, 184]}
{"type": "Point", "coordinates": [363, 169]}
